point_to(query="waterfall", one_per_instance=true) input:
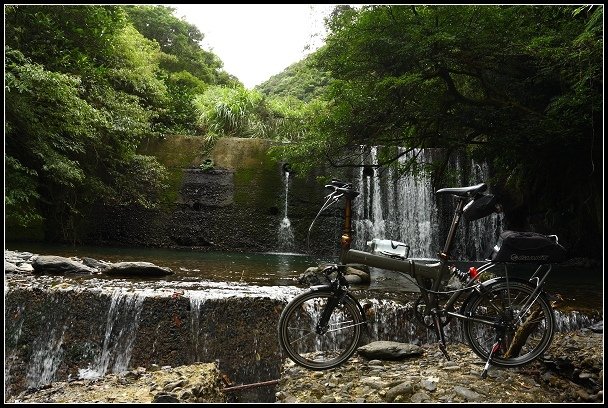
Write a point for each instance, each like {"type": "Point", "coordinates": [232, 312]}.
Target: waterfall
{"type": "Point", "coordinates": [406, 209]}
{"type": "Point", "coordinates": [197, 300]}
{"type": "Point", "coordinates": [377, 219]}
{"type": "Point", "coordinates": [286, 238]}
{"type": "Point", "coordinates": [121, 329]}
{"type": "Point", "coordinates": [415, 209]}
{"type": "Point", "coordinates": [46, 357]}
{"type": "Point", "coordinates": [394, 321]}
{"type": "Point", "coordinates": [371, 221]}
{"type": "Point", "coordinates": [47, 350]}
{"type": "Point", "coordinates": [475, 239]}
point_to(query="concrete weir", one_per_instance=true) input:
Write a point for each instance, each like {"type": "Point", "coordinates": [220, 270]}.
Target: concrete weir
{"type": "Point", "coordinates": [58, 332]}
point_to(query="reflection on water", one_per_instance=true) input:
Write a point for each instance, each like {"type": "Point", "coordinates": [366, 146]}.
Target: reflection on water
{"type": "Point", "coordinates": [577, 287]}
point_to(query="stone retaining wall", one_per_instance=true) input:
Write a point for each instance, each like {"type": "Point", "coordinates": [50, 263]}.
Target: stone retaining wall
{"type": "Point", "coordinates": [51, 334]}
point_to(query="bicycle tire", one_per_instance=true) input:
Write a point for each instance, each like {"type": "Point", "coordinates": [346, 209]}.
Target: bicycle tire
{"type": "Point", "coordinates": [524, 339]}
{"type": "Point", "coordinates": [298, 336]}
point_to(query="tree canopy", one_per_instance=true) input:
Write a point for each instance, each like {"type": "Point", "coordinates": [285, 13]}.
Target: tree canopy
{"type": "Point", "coordinates": [301, 80]}
{"type": "Point", "coordinates": [517, 86]}
{"type": "Point", "coordinates": [83, 86]}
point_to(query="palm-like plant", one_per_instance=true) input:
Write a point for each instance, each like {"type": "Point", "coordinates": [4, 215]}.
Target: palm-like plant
{"type": "Point", "coordinates": [234, 111]}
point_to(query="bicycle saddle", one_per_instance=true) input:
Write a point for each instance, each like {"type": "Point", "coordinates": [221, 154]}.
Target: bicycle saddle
{"type": "Point", "coordinates": [464, 191]}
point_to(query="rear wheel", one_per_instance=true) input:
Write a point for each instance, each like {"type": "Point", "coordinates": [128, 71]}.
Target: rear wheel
{"type": "Point", "coordinates": [524, 325]}
{"type": "Point", "coordinates": [314, 347]}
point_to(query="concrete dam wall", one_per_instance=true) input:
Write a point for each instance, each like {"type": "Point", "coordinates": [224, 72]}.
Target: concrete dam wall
{"type": "Point", "coordinates": [58, 332]}
{"type": "Point", "coordinates": [239, 204]}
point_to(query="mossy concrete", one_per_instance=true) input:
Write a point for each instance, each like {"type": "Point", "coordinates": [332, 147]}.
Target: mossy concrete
{"type": "Point", "coordinates": [237, 205]}
{"type": "Point", "coordinates": [66, 328]}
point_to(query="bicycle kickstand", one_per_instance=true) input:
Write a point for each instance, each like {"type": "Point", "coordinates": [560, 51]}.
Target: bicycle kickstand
{"type": "Point", "coordinates": [440, 334]}
{"type": "Point", "coordinates": [495, 348]}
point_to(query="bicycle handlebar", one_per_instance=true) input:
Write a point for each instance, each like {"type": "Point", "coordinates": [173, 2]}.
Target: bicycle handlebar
{"type": "Point", "coordinates": [342, 187]}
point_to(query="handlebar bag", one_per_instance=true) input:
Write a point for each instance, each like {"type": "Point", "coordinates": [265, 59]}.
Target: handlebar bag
{"type": "Point", "coordinates": [518, 247]}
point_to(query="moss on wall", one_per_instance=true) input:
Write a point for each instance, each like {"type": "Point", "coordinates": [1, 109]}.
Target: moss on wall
{"type": "Point", "coordinates": [176, 153]}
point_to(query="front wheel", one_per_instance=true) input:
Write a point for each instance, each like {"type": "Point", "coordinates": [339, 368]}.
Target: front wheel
{"type": "Point", "coordinates": [517, 327]}
{"type": "Point", "coordinates": [314, 346]}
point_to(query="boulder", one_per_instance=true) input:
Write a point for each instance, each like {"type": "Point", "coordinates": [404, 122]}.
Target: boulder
{"type": "Point", "coordinates": [143, 269]}
{"type": "Point", "coordinates": [389, 350]}
{"type": "Point", "coordinates": [58, 265]}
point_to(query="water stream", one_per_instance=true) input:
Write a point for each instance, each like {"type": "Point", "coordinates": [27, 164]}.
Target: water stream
{"type": "Point", "coordinates": [203, 277]}
{"type": "Point", "coordinates": [286, 237]}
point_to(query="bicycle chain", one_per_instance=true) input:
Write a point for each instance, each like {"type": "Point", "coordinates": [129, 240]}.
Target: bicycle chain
{"type": "Point", "coordinates": [421, 318]}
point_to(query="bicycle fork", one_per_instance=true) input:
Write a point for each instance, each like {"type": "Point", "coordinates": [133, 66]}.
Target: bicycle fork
{"type": "Point", "coordinates": [323, 323]}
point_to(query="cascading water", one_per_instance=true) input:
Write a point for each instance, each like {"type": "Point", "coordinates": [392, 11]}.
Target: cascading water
{"type": "Point", "coordinates": [406, 209]}
{"type": "Point", "coordinates": [47, 350]}
{"type": "Point", "coordinates": [286, 237]}
{"type": "Point", "coordinates": [416, 212]}
{"type": "Point", "coordinates": [121, 328]}
{"type": "Point", "coordinates": [197, 300]}
{"type": "Point", "coordinates": [370, 222]}
{"type": "Point", "coordinates": [46, 358]}
{"type": "Point", "coordinates": [394, 321]}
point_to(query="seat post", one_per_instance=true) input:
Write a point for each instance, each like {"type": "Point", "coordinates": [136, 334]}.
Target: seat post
{"type": "Point", "coordinates": [445, 254]}
{"type": "Point", "coordinates": [346, 238]}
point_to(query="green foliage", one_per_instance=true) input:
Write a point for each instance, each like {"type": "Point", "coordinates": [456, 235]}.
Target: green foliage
{"type": "Point", "coordinates": [142, 180]}
{"type": "Point", "coordinates": [239, 112]}
{"type": "Point", "coordinates": [301, 80]}
{"type": "Point", "coordinates": [232, 112]}
{"type": "Point", "coordinates": [207, 165]}
{"type": "Point", "coordinates": [186, 68]}
{"type": "Point", "coordinates": [518, 86]}
{"type": "Point", "coordinates": [178, 39]}
{"type": "Point", "coordinates": [82, 88]}
{"type": "Point", "coordinates": [20, 193]}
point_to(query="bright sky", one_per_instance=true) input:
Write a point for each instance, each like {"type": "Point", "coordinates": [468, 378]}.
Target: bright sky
{"type": "Point", "coordinates": [257, 41]}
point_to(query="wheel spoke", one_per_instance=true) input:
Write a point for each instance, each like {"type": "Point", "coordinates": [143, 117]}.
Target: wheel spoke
{"type": "Point", "coordinates": [524, 325]}
{"type": "Point", "coordinates": [302, 342]}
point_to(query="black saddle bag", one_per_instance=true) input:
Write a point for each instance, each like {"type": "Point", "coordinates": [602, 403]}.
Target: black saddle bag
{"type": "Point", "coordinates": [518, 247]}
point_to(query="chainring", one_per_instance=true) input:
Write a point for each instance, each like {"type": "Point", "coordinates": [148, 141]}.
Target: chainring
{"type": "Point", "coordinates": [420, 317]}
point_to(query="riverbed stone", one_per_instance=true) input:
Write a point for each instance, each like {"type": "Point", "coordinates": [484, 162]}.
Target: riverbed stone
{"type": "Point", "coordinates": [389, 350]}
{"type": "Point", "coordinates": [142, 269]}
{"type": "Point", "coordinates": [425, 380]}
{"type": "Point", "coordinates": [59, 265]}
{"type": "Point", "coordinates": [140, 387]}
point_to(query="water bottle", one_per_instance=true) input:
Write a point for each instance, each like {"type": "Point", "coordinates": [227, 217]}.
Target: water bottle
{"type": "Point", "coordinates": [389, 247]}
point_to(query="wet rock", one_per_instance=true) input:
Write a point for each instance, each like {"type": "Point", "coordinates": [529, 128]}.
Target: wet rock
{"type": "Point", "coordinates": [10, 268]}
{"type": "Point", "coordinates": [143, 269]}
{"type": "Point", "coordinates": [58, 265]}
{"type": "Point", "coordinates": [354, 274]}
{"type": "Point", "coordinates": [598, 327]}
{"type": "Point", "coordinates": [312, 276]}
{"type": "Point", "coordinates": [357, 275]}
{"type": "Point", "coordinates": [93, 263]}
{"type": "Point", "coordinates": [429, 378]}
{"type": "Point", "coordinates": [389, 350]}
